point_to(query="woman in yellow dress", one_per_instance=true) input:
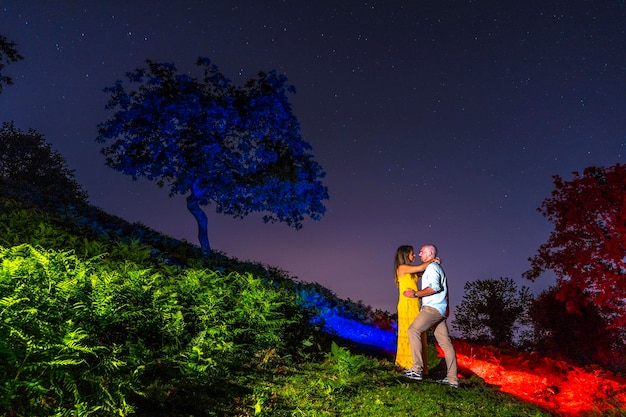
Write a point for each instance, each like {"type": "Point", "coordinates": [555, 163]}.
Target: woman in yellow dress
{"type": "Point", "coordinates": [406, 276]}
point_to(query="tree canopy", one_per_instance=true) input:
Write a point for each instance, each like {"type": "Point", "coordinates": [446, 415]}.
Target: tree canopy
{"type": "Point", "coordinates": [29, 167]}
{"type": "Point", "coordinates": [492, 311]}
{"type": "Point", "coordinates": [237, 147]}
{"type": "Point", "coordinates": [587, 248]}
{"type": "Point", "coordinates": [8, 54]}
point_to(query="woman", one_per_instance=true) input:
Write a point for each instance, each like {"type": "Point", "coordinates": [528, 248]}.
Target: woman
{"type": "Point", "coordinates": [406, 276]}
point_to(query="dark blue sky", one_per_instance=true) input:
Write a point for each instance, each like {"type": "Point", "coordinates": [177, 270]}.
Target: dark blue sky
{"type": "Point", "coordinates": [436, 122]}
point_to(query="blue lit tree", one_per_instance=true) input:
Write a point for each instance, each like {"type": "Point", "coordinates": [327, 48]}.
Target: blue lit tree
{"type": "Point", "coordinates": [237, 147]}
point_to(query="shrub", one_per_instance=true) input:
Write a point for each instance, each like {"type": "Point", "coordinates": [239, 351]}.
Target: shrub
{"type": "Point", "coordinates": [108, 337]}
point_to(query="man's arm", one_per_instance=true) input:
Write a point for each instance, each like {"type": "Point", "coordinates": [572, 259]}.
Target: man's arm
{"type": "Point", "coordinates": [430, 277]}
{"type": "Point", "coordinates": [419, 294]}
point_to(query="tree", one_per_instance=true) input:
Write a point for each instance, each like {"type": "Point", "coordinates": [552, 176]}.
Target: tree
{"type": "Point", "coordinates": [239, 148]}
{"type": "Point", "coordinates": [559, 332]}
{"type": "Point", "coordinates": [492, 311]}
{"type": "Point", "coordinates": [30, 168]}
{"type": "Point", "coordinates": [587, 248]}
{"type": "Point", "coordinates": [8, 54]}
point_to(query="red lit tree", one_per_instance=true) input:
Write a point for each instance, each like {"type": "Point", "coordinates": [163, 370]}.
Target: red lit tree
{"type": "Point", "coordinates": [587, 248]}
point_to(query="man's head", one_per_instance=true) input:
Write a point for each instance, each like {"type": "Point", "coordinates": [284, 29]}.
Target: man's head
{"type": "Point", "coordinates": [428, 253]}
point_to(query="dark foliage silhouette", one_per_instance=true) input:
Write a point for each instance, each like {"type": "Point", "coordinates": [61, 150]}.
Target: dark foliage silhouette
{"type": "Point", "coordinates": [8, 54]}
{"type": "Point", "coordinates": [492, 311]}
{"type": "Point", "coordinates": [560, 333]}
{"type": "Point", "coordinates": [31, 169]}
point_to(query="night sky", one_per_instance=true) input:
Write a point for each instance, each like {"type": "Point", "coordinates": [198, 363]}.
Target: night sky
{"type": "Point", "coordinates": [436, 122]}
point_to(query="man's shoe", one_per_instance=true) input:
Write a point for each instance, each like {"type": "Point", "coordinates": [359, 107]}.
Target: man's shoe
{"type": "Point", "coordinates": [448, 383]}
{"type": "Point", "coordinates": [413, 375]}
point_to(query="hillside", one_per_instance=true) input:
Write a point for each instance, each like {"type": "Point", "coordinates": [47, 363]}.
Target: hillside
{"type": "Point", "coordinates": [103, 317]}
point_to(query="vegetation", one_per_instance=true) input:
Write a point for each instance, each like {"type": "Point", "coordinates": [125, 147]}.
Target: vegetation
{"type": "Point", "coordinates": [29, 168]}
{"type": "Point", "coordinates": [494, 312]}
{"type": "Point", "coordinates": [111, 336]}
{"type": "Point", "coordinates": [99, 317]}
{"type": "Point", "coordinates": [8, 54]}
{"type": "Point", "coordinates": [96, 321]}
{"type": "Point", "coordinates": [239, 148]}
{"type": "Point", "coordinates": [556, 330]}
{"type": "Point", "coordinates": [587, 248]}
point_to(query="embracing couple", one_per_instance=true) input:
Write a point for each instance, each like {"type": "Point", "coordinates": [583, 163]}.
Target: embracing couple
{"type": "Point", "coordinates": [420, 310]}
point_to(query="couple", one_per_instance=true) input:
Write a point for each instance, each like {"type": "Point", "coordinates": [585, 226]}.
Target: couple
{"type": "Point", "coordinates": [414, 320]}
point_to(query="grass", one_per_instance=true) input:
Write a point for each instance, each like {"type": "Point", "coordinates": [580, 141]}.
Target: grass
{"type": "Point", "coordinates": [348, 384]}
{"type": "Point", "coordinates": [324, 376]}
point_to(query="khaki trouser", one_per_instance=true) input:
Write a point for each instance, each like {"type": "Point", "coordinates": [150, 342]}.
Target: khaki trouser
{"type": "Point", "coordinates": [428, 318]}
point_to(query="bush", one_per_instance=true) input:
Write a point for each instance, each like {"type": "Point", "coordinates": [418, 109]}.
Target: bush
{"type": "Point", "coordinates": [107, 337]}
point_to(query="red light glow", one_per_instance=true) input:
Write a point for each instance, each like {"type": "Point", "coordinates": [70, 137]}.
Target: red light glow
{"type": "Point", "coordinates": [562, 388]}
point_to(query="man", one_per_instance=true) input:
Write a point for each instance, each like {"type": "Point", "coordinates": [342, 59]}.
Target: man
{"type": "Point", "coordinates": [433, 314]}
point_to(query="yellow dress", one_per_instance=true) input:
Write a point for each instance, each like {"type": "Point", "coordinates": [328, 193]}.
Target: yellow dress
{"type": "Point", "coordinates": [408, 309]}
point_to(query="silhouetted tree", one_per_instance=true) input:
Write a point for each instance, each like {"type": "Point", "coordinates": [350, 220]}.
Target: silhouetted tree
{"type": "Point", "coordinates": [30, 168]}
{"type": "Point", "coordinates": [8, 54]}
{"type": "Point", "coordinates": [239, 148]}
{"type": "Point", "coordinates": [492, 311]}
{"type": "Point", "coordinates": [587, 248]}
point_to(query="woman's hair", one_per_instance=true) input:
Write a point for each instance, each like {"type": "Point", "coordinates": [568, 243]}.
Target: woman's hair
{"type": "Point", "coordinates": [401, 258]}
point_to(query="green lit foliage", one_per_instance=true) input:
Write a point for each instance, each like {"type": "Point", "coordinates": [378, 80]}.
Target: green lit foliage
{"type": "Point", "coordinates": [51, 357]}
{"type": "Point", "coordinates": [348, 369]}
{"type": "Point", "coordinates": [239, 148]}
{"type": "Point", "coordinates": [105, 336]}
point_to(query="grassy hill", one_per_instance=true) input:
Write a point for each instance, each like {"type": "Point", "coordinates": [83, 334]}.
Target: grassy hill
{"type": "Point", "coordinates": [99, 317]}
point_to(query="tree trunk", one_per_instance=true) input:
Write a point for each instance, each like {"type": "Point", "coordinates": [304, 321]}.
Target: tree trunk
{"type": "Point", "coordinates": [201, 218]}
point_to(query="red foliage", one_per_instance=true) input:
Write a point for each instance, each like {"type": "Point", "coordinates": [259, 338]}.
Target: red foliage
{"type": "Point", "coordinates": [555, 385]}
{"type": "Point", "coordinates": [587, 248]}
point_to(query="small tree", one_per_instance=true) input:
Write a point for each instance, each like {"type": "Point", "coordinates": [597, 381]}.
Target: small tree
{"type": "Point", "coordinates": [30, 168]}
{"type": "Point", "coordinates": [492, 311]}
{"type": "Point", "coordinates": [587, 248]}
{"type": "Point", "coordinates": [239, 148]}
{"type": "Point", "coordinates": [8, 54]}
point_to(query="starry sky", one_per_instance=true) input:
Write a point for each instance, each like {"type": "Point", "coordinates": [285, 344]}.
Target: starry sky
{"type": "Point", "coordinates": [436, 121]}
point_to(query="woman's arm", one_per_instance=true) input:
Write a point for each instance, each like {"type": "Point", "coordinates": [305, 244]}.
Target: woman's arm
{"type": "Point", "coordinates": [414, 269]}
